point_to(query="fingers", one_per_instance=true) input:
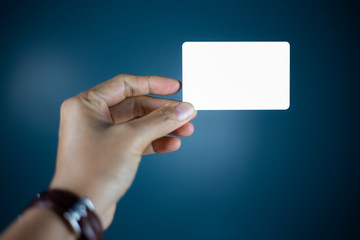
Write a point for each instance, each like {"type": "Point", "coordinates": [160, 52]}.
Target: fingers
{"type": "Point", "coordinates": [134, 107]}
{"type": "Point", "coordinates": [162, 122]}
{"type": "Point", "coordinates": [122, 86]}
{"type": "Point", "coordinates": [170, 144]}
{"type": "Point", "coordinates": [163, 145]}
{"type": "Point", "coordinates": [183, 131]}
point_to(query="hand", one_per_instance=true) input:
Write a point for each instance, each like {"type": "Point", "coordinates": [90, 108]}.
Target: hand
{"type": "Point", "coordinates": [104, 132]}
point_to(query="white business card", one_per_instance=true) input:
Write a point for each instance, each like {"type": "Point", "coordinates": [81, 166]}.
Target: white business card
{"type": "Point", "coordinates": [236, 75]}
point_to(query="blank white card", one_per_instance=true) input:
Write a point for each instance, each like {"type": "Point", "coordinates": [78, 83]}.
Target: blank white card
{"type": "Point", "coordinates": [236, 75]}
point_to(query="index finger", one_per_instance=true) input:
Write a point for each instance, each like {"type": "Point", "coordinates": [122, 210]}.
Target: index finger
{"type": "Point", "coordinates": [122, 86]}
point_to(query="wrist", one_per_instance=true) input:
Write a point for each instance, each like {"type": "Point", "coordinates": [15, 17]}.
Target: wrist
{"type": "Point", "coordinates": [76, 212]}
{"type": "Point", "coordinates": [102, 208]}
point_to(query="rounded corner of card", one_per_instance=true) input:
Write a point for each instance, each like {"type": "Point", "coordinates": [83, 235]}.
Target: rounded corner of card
{"type": "Point", "coordinates": [287, 106]}
{"type": "Point", "coordinates": [184, 44]}
{"type": "Point", "coordinates": [287, 44]}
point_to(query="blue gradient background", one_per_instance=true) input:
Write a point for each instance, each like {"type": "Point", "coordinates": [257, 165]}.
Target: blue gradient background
{"type": "Point", "coordinates": [291, 174]}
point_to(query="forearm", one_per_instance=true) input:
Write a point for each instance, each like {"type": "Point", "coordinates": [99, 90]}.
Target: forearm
{"type": "Point", "coordinates": [39, 224]}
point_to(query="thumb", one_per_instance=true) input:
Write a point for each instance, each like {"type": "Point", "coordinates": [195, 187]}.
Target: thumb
{"type": "Point", "coordinates": [162, 121]}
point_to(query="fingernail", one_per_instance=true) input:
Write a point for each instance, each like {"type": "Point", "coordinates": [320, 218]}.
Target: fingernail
{"type": "Point", "coordinates": [184, 110]}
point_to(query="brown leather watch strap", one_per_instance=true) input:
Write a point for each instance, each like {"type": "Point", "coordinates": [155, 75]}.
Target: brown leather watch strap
{"type": "Point", "coordinates": [61, 202]}
{"type": "Point", "coordinates": [91, 227]}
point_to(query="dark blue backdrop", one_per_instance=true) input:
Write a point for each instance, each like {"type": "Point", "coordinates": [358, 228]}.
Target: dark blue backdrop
{"type": "Point", "coordinates": [244, 174]}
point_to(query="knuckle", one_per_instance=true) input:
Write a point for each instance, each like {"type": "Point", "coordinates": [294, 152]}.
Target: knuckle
{"type": "Point", "coordinates": [166, 114]}
{"type": "Point", "coordinates": [127, 89]}
{"type": "Point", "coordinates": [94, 99]}
{"type": "Point", "coordinates": [125, 75]}
{"type": "Point", "coordinates": [134, 85]}
{"type": "Point", "coordinates": [91, 95]}
{"type": "Point", "coordinates": [68, 104]}
{"type": "Point", "coordinates": [148, 84]}
{"type": "Point", "coordinates": [70, 108]}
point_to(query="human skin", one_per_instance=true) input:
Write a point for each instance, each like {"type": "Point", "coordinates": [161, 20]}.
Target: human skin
{"type": "Point", "coordinates": [103, 134]}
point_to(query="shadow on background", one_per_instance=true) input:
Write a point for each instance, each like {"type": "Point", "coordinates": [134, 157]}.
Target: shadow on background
{"type": "Point", "coordinates": [244, 174]}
